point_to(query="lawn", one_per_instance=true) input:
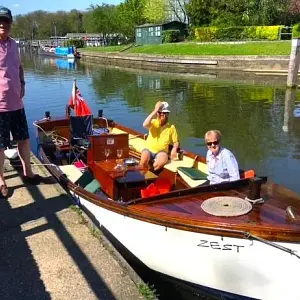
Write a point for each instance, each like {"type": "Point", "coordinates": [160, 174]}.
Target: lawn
{"type": "Point", "coordinates": [257, 48]}
{"type": "Point", "coordinates": [106, 49]}
{"type": "Point", "coordinates": [247, 48]}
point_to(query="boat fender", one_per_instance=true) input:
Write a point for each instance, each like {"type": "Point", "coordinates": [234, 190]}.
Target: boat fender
{"type": "Point", "coordinates": [11, 153]}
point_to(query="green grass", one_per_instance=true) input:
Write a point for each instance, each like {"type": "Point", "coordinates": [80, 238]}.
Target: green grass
{"type": "Point", "coordinates": [106, 49]}
{"type": "Point", "coordinates": [248, 48]}
{"type": "Point", "coordinates": [258, 48]}
{"type": "Point", "coordinates": [147, 291]}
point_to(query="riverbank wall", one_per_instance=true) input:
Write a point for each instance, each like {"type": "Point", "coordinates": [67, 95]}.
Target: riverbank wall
{"type": "Point", "coordinates": [192, 64]}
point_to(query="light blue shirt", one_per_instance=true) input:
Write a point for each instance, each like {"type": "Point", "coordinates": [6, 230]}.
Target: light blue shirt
{"type": "Point", "coordinates": [222, 167]}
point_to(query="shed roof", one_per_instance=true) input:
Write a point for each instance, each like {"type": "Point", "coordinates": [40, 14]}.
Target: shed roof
{"type": "Point", "coordinates": [158, 24]}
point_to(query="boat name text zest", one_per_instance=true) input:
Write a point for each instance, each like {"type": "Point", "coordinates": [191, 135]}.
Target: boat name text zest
{"type": "Point", "coordinates": [218, 246]}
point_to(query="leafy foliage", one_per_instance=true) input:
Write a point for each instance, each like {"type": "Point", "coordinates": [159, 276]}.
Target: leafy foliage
{"type": "Point", "coordinates": [209, 34]}
{"type": "Point", "coordinates": [122, 19]}
{"type": "Point", "coordinates": [170, 36]}
{"type": "Point", "coordinates": [155, 11]}
{"type": "Point", "coordinates": [296, 31]}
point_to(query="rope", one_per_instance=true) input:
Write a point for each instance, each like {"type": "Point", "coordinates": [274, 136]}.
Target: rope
{"type": "Point", "coordinates": [55, 138]}
{"type": "Point", "coordinates": [33, 165]}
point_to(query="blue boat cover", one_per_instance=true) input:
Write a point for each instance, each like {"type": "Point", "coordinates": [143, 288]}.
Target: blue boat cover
{"type": "Point", "coordinates": [64, 51]}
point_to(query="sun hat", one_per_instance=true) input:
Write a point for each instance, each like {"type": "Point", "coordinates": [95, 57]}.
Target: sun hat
{"type": "Point", "coordinates": [5, 13]}
{"type": "Point", "coordinates": [164, 107]}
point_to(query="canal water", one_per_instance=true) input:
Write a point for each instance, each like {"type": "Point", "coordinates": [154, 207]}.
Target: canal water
{"type": "Point", "coordinates": [260, 125]}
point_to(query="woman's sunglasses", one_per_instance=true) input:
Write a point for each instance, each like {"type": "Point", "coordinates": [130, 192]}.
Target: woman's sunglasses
{"type": "Point", "coordinates": [215, 143]}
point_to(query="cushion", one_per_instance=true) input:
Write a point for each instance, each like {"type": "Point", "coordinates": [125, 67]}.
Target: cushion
{"type": "Point", "coordinates": [72, 172]}
{"type": "Point", "coordinates": [193, 173]}
{"type": "Point", "coordinates": [93, 186]}
{"type": "Point", "coordinates": [84, 179]}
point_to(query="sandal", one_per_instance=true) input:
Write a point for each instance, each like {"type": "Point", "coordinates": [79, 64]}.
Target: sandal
{"type": "Point", "coordinates": [36, 179]}
{"type": "Point", "coordinates": [4, 190]}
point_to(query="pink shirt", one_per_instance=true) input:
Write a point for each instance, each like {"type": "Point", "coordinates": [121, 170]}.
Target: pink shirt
{"type": "Point", "coordinates": [10, 86]}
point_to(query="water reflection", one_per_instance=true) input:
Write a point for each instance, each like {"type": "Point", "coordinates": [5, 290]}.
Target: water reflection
{"type": "Point", "coordinates": [250, 116]}
{"type": "Point", "coordinates": [289, 103]}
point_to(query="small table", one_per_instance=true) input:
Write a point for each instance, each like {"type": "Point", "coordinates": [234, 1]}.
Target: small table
{"type": "Point", "coordinates": [122, 184]}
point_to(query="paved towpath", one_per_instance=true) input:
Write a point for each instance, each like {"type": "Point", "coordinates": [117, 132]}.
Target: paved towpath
{"type": "Point", "coordinates": [48, 252]}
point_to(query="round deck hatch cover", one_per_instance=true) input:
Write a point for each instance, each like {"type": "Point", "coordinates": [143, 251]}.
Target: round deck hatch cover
{"type": "Point", "coordinates": [226, 206]}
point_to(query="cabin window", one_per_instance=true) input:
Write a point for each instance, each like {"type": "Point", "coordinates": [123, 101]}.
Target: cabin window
{"type": "Point", "coordinates": [151, 31]}
{"type": "Point", "coordinates": [139, 32]}
{"type": "Point", "coordinates": [157, 31]}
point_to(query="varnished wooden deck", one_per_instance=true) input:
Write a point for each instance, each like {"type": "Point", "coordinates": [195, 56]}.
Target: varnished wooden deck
{"type": "Point", "coordinates": [268, 219]}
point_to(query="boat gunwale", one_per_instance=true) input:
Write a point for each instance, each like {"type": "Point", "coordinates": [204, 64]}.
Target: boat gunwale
{"type": "Point", "coordinates": [274, 233]}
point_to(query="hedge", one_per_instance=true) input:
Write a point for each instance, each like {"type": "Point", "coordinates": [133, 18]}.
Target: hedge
{"type": "Point", "coordinates": [296, 31]}
{"type": "Point", "coordinates": [170, 36]}
{"type": "Point", "coordinates": [209, 34]}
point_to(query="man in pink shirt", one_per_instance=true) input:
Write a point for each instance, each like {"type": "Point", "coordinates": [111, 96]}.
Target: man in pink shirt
{"type": "Point", "coordinates": [12, 113]}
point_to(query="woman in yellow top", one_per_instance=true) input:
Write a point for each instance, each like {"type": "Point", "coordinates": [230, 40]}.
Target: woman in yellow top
{"type": "Point", "coordinates": [161, 135]}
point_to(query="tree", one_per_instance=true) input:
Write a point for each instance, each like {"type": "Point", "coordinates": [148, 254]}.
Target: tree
{"type": "Point", "coordinates": [198, 12]}
{"type": "Point", "coordinates": [75, 21]}
{"type": "Point", "coordinates": [130, 14]}
{"type": "Point", "coordinates": [155, 11]}
{"type": "Point", "coordinates": [178, 9]}
{"type": "Point", "coordinates": [101, 19]}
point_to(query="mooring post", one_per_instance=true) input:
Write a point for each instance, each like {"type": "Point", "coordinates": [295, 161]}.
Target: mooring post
{"type": "Point", "coordinates": [294, 63]}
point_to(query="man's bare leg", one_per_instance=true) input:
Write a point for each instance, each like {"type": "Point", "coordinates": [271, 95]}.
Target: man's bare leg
{"type": "Point", "coordinates": [145, 158]}
{"type": "Point", "coordinates": [160, 160]}
{"type": "Point", "coordinates": [2, 180]}
{"type": "Point", "coordinates": [24, 153]}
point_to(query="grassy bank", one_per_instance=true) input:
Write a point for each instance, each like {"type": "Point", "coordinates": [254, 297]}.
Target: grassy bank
{"type": "Point", "coordinates": [106, 49]}
{"type": "Point", "coordinates": [250, 48]}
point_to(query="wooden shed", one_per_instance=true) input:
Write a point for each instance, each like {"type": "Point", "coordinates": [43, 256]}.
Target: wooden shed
{"type": "Point", "coordinates": [152, 33]}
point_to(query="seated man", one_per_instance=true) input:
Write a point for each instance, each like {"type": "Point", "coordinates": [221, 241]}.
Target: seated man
{"type": "Point", "coordinates": [221, 163]}
{"type": "Point", "coordinates": [161, 135]}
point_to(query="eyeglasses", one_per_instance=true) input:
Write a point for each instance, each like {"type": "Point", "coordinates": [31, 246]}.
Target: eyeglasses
{"type": "Point", "coordinates": [215, 143]}
{"type": "Point", "coordinates": [162, 113]}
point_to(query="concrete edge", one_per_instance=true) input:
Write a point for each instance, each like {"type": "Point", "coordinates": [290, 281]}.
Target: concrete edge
{"type": "Point", "coordinates": [194, 58]}
{"type": "Point", "coordinates": [137, 280]}
{"type": "Point", "coordinates": [193, 64]}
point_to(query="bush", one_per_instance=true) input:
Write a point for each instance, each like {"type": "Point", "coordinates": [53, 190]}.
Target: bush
{"type": "Point", "coordinates": [205, 34]}
{"type": "Point", "coordinates": [229, 33]}
{"type": "Point", "coordinates": [209, 34]}
{"type": "Point", "coordinates": [296, 31]}
{"type": "Point", "coordinates": [170, 36]}
{"type": "Point", "coordinates": [76, 43]}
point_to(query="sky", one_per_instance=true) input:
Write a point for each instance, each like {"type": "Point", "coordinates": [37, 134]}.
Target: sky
{"type": "Point", "coordinates": [26, 6]}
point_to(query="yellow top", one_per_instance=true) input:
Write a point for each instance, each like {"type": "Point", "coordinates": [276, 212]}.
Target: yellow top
{"type": "Point", "coordinates": [160, 137]}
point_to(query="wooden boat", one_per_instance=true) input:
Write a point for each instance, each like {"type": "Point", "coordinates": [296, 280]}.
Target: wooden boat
{"type": "Point", "coordinates": [253, 255]}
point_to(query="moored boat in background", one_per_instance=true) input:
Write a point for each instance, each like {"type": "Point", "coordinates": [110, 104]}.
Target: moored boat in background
{"type": "Point", "coordinates": [61, 52]}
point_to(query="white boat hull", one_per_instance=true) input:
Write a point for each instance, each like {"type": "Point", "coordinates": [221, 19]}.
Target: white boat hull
{"type": "Point", "coordinates": [238, 266]}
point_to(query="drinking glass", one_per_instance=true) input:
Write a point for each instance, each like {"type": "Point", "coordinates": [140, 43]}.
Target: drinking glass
{"type": "Point", "coordinates": [106, 153]}
{"type": "Point", "coordinates": [119, 155]}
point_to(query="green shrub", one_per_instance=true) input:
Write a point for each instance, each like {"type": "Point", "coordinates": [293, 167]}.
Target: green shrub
{"type": "Point", "coordinates": [267, 32]}
{"type": "Point", "coordinates": [208, 34]}
{"type": "Point", "coordinates": [229, 33]}
{"type": "Point", "coordinates": [170, 36]}
{"type": "Point", "coordinates": [205, 34]}
{"type": "Point", "coordinates": [296, 31]}
{"type": "Point", "coordinates": [76, 43]}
